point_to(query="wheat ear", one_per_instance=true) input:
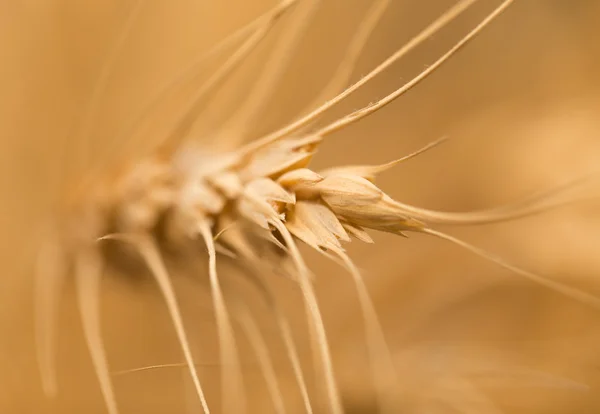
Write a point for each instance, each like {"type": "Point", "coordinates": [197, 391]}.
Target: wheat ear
{"type": "Point", "coordinates": [268, 187]}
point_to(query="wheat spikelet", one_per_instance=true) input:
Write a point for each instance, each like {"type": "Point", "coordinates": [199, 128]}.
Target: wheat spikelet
{"type": "Point", "coordinates": [253, 201]}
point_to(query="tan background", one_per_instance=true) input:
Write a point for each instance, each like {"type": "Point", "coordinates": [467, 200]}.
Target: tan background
{"type": "Point", "coordinates": [521, 104]}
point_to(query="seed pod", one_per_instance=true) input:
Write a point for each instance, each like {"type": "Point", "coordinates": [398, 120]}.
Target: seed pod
{"type": "Point", "coordinates": [227, 183]}
{"type": "Point", "coordinates": [316, 223]}
{"type": "Point", "coordinates": [273, 162]}
{"type": "Point", "coordinates": [299, 178]}
{"type": "Point", "coordinates": [200, 195]}
{"type": "Point", "coordinates": [357, 232]}
{"type": "Point", "coordinates": [342, 191]}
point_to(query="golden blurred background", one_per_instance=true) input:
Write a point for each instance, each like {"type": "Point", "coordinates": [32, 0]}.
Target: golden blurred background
{"type": "Point", "coordinates": [521, 104]}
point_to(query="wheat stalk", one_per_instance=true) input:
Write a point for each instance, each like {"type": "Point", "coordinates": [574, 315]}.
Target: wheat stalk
{"type": "Point", "coordinates": [244, 201]}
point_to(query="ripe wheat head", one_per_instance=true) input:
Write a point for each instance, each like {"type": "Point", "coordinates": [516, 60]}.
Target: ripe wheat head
{"type": "Point", "coordinates": [251, 201]}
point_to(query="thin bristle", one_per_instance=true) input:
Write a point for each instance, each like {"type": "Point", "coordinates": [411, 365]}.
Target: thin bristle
{"type": "Point", "coordinates": [231, 380]}
{"type": "Point", "coordinates": [82, 139]}
{"type": "Point", "coordinates": [315, 318]}
{"type": "Point", "coordinates": [286, 335]}
{"type": "Point", "coordinates": [150, 253]}
{"type": "Point", "coordinates": [561, 288]}
{"type": "Point", "coordinates": [243, 316]}
{"type": "Point", "coordinates": [536, 203]}
{"type": "Point", "coordinates": [50, 275]}
{"type": "Point", "coordinates": [158, 366]}
{"type": "Point", "coordinates": [190, 113]}
{"type": "Point", "coordinates": [344, 71]}
{"type": "Point", "coordinates": [88, 275]}
{"type": "Point", "coordinates": [371, 171]}
{"type": "Point", "coordinates": [255, 337]}
{"type": "Point", "coordinates": [130, 135]}
{"type": "Point", "coordinates": [235, 131]}
{"type": "Point", "coordinates": [384, 372]}
{"type": "Point", "coordinates": [289, 129]}
{"type": "Point", "coordinates": [366, 111]}
{"type": "Point", "coordinates": [466, 397]}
